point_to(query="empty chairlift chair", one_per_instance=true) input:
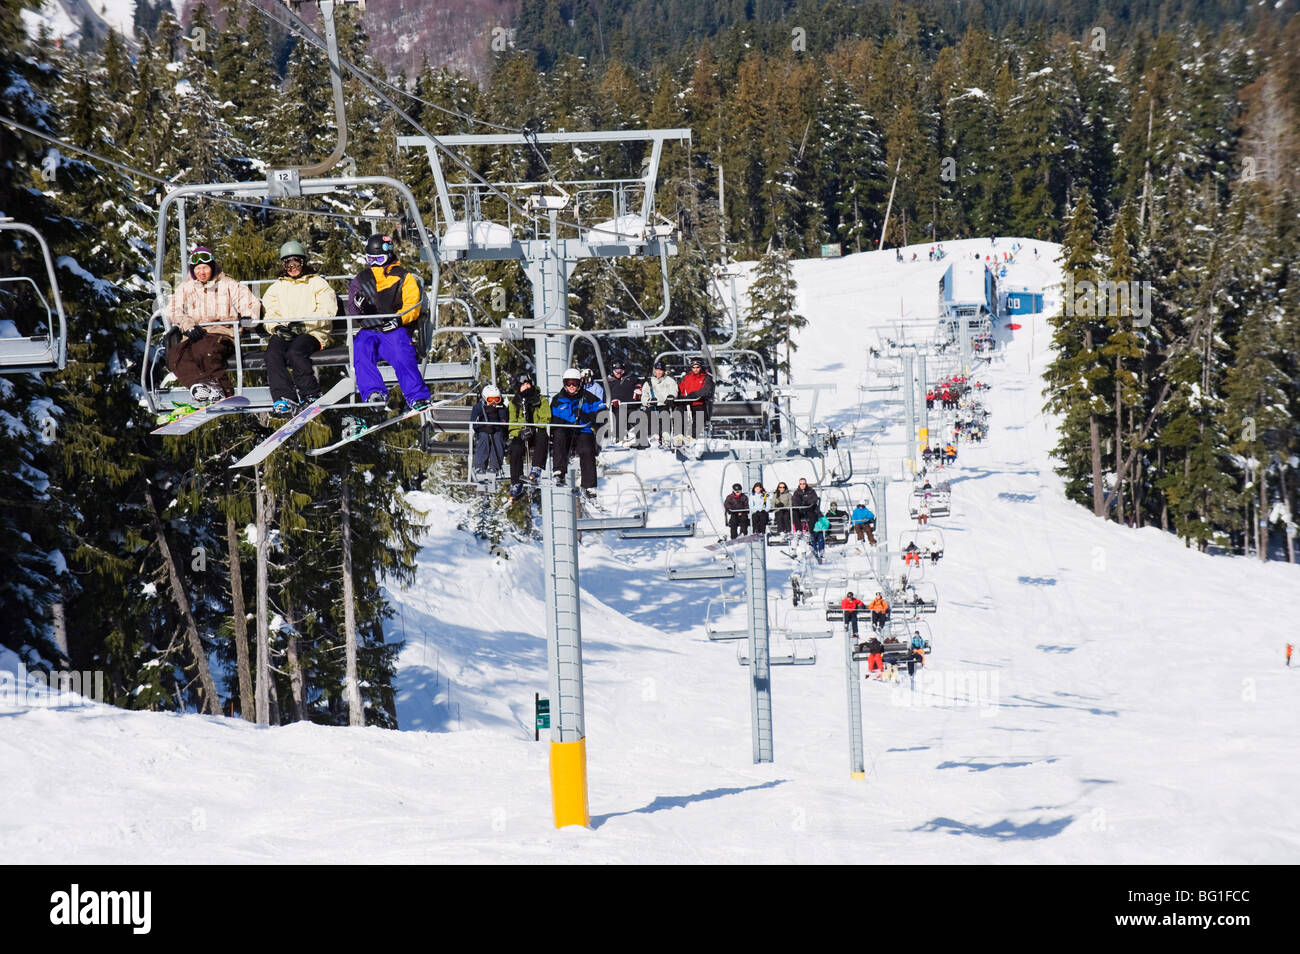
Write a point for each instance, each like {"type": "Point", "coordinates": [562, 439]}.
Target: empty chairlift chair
{"type": "Point", "coordinates": [21, 304]}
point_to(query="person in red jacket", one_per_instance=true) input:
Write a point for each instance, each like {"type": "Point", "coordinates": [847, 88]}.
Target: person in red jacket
{"type": "Point", "coordinates": [696, 393]}
{"type": "Point", "coordinates": [851, 604]}
{"type": "Point", "coordinates": [929, 399]}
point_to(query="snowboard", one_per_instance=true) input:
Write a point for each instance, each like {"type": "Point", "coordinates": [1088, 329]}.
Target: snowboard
{"type": "Point", "coordinates": [295, 424]}
{"type": "Point", "coordinates": [196, 418]}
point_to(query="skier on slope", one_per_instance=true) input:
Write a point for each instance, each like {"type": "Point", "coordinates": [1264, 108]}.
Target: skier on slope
{"type": "Point", "coordinates": [529, 413]}
{"type": "Point", "coordinates": [387, 297]}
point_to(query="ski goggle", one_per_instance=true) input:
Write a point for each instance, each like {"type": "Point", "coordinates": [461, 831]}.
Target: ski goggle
{"type": "Point", "coordinates": [377, 260]}
{"type": "Point", "coordinates": [201, 258]}
{"type": "Point", "coordinates": [291, 260]}
{"type": "Point", "coordinates": [494, 400]}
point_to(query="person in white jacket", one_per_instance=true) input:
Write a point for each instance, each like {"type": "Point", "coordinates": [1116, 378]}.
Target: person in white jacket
{"type": "Point", "coordinates": [658, 395]}
{"type": "Point", "coordinates": [297, 309]}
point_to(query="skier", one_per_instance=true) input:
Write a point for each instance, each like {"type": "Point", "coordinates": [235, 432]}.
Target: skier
{"type": "Point", "coordinates": [658, 395]}
{"type": "Point", "coordinates": [529, 413]}
{"type": "Point", "coordinates": [864, 523]}
{"type": "Point", "coordinates": [696, 392]}
{"type": "Point", "coordinates": [806, 505]}
{"type": "Point", "coordinates": [819, 531]}
{"type": "Point", "coordinates": [574, 405]}
{"type": "Point", "coordinates": [850, 605]}
{"type": "Point", "coordinates": [875, 657]}
{"type": "Point", "coordinates": [929, 399]}
{"type": "Point", "coordinates": [923, 513]}
{"type": "Point", "coordinates": [838, 520]}
{"type": "Point", "coordinates": [927, 455]}
{"type": "Point", "coordinates": [911, 555]}
{"type": "Point", "coordinates": [622, 394]}
{"type": "Point", "coordinates": [879, 612]}
{"type": "Point", "coordinates": [736, 506]}
{"type": "Point", "coordinates": [783, 507]}
{"type": "Point", "coordinates": [297, 308]}
{"type": "Point", "coordinates": [388, 299]}
{"type": "Point", "coordinates": [950, 454]}
{"type": "Point", "coordinates": [758, 508]}
{"type": "Point", "coordinates": [203, 316]}
{"type": "Point", "coordinates": [488, 422]}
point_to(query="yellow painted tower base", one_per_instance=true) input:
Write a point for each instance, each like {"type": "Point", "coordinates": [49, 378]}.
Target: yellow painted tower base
{"type": "Point", "coordinates": [569, 783]}
{"type": "Point", "coordinates": [861, 775]}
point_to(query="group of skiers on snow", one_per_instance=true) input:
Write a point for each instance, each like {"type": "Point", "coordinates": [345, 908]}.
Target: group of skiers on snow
{"type": "Point", "coordinates": [207, 310]}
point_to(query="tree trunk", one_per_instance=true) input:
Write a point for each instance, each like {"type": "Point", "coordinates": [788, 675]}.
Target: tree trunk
{"type": "Point", "coordinates": [297, 684]}
{"type": "Point", "coordinates": [208, 688]}
{"type": "Point", "coordinates": [1289, 528]}
{"type": "Point", "coordinates": [240, 616]}
{"type": "Point", "coordinates": [1119, 447]}
{"type": "Point", "coordinates": [356, 714]}
{"type": "Point", "coordinates": [263, 688]}
{"type": "Point", "coordinates": [59, 629]}
{"type": "Point", "coordinates": [1261, 517]}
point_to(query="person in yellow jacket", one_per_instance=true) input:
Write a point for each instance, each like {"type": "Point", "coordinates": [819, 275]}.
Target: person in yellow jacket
{"type": "Point", "coordinates": [297, 309]}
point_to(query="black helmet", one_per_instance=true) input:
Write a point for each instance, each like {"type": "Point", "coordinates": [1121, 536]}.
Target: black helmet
{"type": "Point", "coordinates": [659, 366]}
{"type": "Point", "coordinates": [523, 377]}
{"type": "Point", "coordinates": [736, 487]}
{"type": "Point", "coordinates": [850, 594]}
{"type": "Point", "coordinates": [380, 245]}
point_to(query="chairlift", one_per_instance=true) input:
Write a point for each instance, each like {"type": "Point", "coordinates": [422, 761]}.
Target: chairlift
{"type": "Point", "coordinates": [21, 299]}
{"type": "Point", "coordinates": [937, 503]}
{"type": "Point", "coordinates": [784, 649]}
{"type": "Point", "coordinates": [715, 610]}
{"type": "Point", "coordinates": [620, 504]}
{"type": "Point", "coordinates": [721, 565]}
{"type": "Point", "coordinates": [928, 541]}
{"type": "Point", "coordinates": [683, 527]}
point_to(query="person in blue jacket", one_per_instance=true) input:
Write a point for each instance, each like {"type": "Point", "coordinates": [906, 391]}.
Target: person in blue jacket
{"type": "Point", "coordinates": [577, 406]}
{"type": "Point", "coordinates": [864, 523]}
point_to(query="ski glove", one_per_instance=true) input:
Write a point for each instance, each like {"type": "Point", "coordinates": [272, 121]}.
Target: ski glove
{"type": "Point", "coordinates": [291, 330]}
{"type": "Point", "coordinates": [528, 433]}
{"type": "Point", "coordinates": [372, 321]}
{"type": "Point", "coordinates": [195, 333]}
{"type": "Point", "coordinates": [391, 324]}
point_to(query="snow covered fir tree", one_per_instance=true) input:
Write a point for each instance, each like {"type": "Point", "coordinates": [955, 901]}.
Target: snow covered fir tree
{"type": "Point", "coordinates": [1078, 223]}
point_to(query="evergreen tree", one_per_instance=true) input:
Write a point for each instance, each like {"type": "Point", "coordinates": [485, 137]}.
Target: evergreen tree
{"type": "Point", "coordinates": [771, 318]}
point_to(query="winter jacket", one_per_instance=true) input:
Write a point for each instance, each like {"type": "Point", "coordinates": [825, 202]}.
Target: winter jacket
{"type": "Point", "coordinates": [301, 299]}
{"type": "Point", "coordinates": [878, 605]}
{"type": "Point", "coordinates": [822, 525]}
{"type": "Point", "coordinates": [805, 497]}
{"type": "Point", "coordinates": [875, 646]}
{"type": "Point", "coordinates": [851, 604]}
{"type": "Point", "coordinates": [697, 387]}
{"type": "Point", "coordinates": [528, 409]}
{"type": "Point", "coordinates": [660, 391]}
{"type": "Point", "coordinates": [782, 501]}
{"type": "Point", "coordinates": [596, 388]}
{"type": "Point", "coordinates": [580, 408]}
{"type": "Point", "coordinates": [622, 390]}
{"type": "Point", "coordinates": [387, 290]}
{"type": "Point", "coordinates": [862, 515]}
{"type": "Point", "coordinates": [488, 420]}
{"type": "Point", "coordinates": [220, 298]}
{"type": "Point", "coordinates": [757, 501]}
{"type": "Point", "coordinates": [736, 503]}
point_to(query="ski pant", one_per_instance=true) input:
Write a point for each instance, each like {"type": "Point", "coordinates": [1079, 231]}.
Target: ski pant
{"type": "Point", "coordinates": [584, 445]}
{"type": "Point", "coordinates": [783, 519]}
{"type": "Point", "coordinates": [738, 521]}
{"type": "Point", "coordinates": [203, 360]}
{"type": "Point", "coordinates": [759, 518]}
{"type": "Point", "coordinates": [519, 448]}
{"type": "Point", "coordinates": [286, 357]}
{"type": "Point", "coordinates": [851, 622]}
{"type": "Point", "coordinates": [489, 450]}
{"type": "Point", "coordinates": [878, 620]}
{"type": "Point", "coordinates": [818, 544]}
{"type": "Point", "coordinates": [876, 662]}
{"type": "Point", "coordinates": [864, 530]}
{"type": "Point", "coordinates": [394, 347]}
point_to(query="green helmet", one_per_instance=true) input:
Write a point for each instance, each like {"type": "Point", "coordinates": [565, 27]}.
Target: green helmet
{"type": "Point", "coordinates": [293, 248]}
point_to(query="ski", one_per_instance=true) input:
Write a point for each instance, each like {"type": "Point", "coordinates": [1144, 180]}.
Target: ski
{"type": "Point", "coordinates": [295, 424]}
{"type": "Point", "coordinates": [367, 431]}
{"type": "Point", "coordinates": [193, 420]}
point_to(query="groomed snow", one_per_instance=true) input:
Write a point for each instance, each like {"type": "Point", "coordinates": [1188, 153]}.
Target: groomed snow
{"type": "Point", "coordinates": [1134, 703]}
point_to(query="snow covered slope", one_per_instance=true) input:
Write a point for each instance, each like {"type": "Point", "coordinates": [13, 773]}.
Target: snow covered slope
{"type": "Point", "coordinates": [1131, 706]}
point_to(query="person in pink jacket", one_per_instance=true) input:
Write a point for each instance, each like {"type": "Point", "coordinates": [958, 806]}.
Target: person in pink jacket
{"type": "Point", "coordinates": [203, 314]}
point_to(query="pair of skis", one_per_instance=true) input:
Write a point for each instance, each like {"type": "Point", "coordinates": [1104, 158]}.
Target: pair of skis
{"type": "Point", "coordinates": [193, 420]}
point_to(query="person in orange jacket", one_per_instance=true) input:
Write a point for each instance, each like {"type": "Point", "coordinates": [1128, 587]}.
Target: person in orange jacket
{"type": "Point", "coordinates": [879, 612]}
{"type": "Point", "coordinates": [850, 605]}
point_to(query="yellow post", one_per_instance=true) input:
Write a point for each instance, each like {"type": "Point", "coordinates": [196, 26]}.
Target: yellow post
{"type": "Point", "coordinates": [569, 783]}
{"type": "Point", "coordinates": [861, 775]}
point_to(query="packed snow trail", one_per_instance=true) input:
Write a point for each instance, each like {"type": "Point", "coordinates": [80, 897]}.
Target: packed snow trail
{"type": "Point", "coordinates": [1131, 699]}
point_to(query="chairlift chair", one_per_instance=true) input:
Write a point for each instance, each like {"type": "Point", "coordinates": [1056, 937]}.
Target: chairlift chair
{"type": "Point", "coordinates": [783, 650]}
{"type": "Point", "coordinates": [47, 349]}
{"type": "Point", "coordinates": [715, 610]}
{"type": "Point", "coordinates": [720, 566]}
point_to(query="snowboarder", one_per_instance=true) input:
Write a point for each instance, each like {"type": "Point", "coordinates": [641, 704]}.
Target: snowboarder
{"type": "Point", "coordinates": [297, 308]}
{"type": "Point", "coordinates": [529, 413]}
{"type": "Point", "coordinates": [736, 506]}
{"type": "Point", "coordinates": [388, 299]}
{"type": "Point", "coordinates": [488, 423]}
{"type": "Point", "coordinates": [574, 405]}
{"type": "Point", "coordinates": [203, 316]}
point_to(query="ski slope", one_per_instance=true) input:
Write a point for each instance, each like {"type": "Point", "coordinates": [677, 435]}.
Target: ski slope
{"type": "Point", "coordinates": [1133, 702]}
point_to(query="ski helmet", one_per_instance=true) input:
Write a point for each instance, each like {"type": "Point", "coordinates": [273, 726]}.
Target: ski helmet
{"type": "Point", "coordinates": [490, 392]}
{"type": "Point", "coordinates": [202, 255]}
{"type": "Point", "coordinates": [736, 488]}
{"type": "Point", "coordinates": [378, 245]}
{"type": "Point", "coordinates": [291, 248]}
{"type": "Point", "coordinates": [850, 594]}
{"type": "Point", "coordinates": [523, 377]}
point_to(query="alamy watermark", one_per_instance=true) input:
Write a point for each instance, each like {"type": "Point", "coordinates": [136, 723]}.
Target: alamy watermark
{"type": "Point", "coordinates": [949, 689]}
{"type": "Point", "coordinates": [1108, 299]}
{"type": "Point", "coordinates": [39, 689]}
{"type": "Point", "coordinates": [637, 423]}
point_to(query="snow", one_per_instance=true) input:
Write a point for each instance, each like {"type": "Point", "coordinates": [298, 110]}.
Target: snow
{"type": "Point", "coordinates": [1119, 717]}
